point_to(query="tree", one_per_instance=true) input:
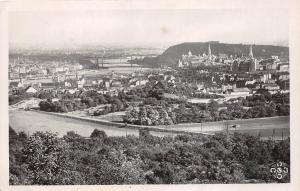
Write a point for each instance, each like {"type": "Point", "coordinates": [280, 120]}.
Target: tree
{"type": "Point", "coordinates": [118, 103]}
{"type": "Point", "coordinates": [165, 172]}
{"type": "Point", "coordinates": [265, 93]}
{"type": "Point", "coordinates": [97, 134]}
{"type": "Point", "coordinates": [281, 151]}
{"type": "Point", "coordinates": [213, 105]}
{"type": "Point", "coordinates": [46, 159]}
{"type": "Point", "coordinates": [17, 172]}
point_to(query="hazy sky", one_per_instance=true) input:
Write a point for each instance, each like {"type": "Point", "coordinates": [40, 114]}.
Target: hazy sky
{"type": "Point", "coordinates": [147, 27]}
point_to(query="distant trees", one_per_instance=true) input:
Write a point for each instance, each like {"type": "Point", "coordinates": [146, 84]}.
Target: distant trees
{"type": "Point", "coordinates": [61, 105]}
{"type": "Point", "coordinates": [13, 99]}
{"type": "Point", "coordinates": [86, 100]}
{"type": "Point", "coordinates": [254, 106]}
{"type": "Point", "coordinates": [265, 93]}
{"type": "Point", "coordinates": [155, 108]}
{"type": "Point", "coordinates": [150, 115]}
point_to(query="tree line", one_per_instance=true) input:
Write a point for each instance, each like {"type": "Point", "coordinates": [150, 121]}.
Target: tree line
{"type": "Point", "coordinates": [83, 101]}
{"type": "Point", "coordinates": [46, 159]}
{"type": "Point", "coordinates": [173, 111]}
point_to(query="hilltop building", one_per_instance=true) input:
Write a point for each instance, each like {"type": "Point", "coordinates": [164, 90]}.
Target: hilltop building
{"type": "Point", "coordinates": [195, 60]}
{"type": "Point", "coordinates": [245, 64]}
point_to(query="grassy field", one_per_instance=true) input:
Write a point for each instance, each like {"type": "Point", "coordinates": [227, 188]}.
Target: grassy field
{"type": "Point", "coordinates": [115, 117]}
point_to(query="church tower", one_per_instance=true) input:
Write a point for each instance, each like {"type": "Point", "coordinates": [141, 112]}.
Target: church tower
{"type": "Point", "coordinates": [209, 53]}
{"type": "Point", "coordinates": [251, 53]}
{"type": "Point", "coordinates": [253, 61]}
{"type": "Point", "coordinates": [180, 65]}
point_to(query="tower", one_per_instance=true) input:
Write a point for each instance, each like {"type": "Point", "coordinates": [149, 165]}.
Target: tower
{"type": "Point", "coordinates": [251, 53]}
{"type": "Point", "coordinates": [209, 52]}
{"type": "Point", "coordinates": [97, 63]}
{"type": "Point", "coordinates": [180, 65]}
{"type": "Point", "coordinates": [253, 65]}
{"type": "Point", "coordinates": [77, 75]}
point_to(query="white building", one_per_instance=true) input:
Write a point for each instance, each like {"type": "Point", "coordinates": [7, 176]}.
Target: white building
{"type": "Point", "coordinates": [242, 92]}
{"type": "Point", "coordinates": [30, 90]}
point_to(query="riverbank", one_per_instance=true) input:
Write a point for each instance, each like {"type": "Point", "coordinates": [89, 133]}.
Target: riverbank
{"type": "Point", "coordinates": [121, 125]}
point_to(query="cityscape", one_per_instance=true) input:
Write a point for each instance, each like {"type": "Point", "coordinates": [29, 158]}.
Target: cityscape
{"type": "Point", "coordinates": [201, 112]}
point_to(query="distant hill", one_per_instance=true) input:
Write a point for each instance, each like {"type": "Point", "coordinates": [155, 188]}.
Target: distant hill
{"type": "Point", "coordinates": [173, 53]}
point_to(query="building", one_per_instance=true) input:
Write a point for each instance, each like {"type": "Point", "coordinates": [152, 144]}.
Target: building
{"type": "Point", "coordinates": [251, 53]}
{"type": "Point", "coordinates": [180, 64]}
{"type": "Point", "coordinates": [235, 66]}
{"type": "Point", "coordinates": [245, 66]}
{"type": "Point", "coordinates": [226, 87]}
{"type": "Point", "coordinates": [242, 92]}
{"type": "Point", "coordinates": [47, 86]}
{"type": "Point", "coordinates": [223, 56]}
{"type": "Point", "coordinates": [271, 87]}
{"type": "Point", "coordinates": [284, 76]}
{"type": "Point", "coordinates": [249, 64]}
{"type": "Point", "coordinates": [30, 90]}
{"type": "Point", "coordinates": [209, 53]}
{"type": "Point", "coordinates": [140, 82]}
{"type": "Point", "coordinates": [265, 77]}
{"type": "Point", "coordinates": [253, 65]}
{"type": "Point", "coordinates": [106, 82]}
{"type": "Point", "coordinates": [284, 67]}
{"type": "Point", "coordinates": [268, 64]}
{"type": "Point", "coordinates": [116, 84]}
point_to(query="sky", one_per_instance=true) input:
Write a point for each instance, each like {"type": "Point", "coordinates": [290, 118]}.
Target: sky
{"type": "Point", "coordinates": [69, 29]}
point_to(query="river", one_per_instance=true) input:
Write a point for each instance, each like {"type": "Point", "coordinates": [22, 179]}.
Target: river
{"type": "Point", "coordinates": [30, 122]}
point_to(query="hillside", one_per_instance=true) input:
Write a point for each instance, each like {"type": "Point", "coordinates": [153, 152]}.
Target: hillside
{"type": "Point", "coordinates": [173, 53]}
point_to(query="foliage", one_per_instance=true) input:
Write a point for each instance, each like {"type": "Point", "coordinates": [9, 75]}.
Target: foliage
{"type": "Point", "coordinates": [48, 159]}
{"type": "Point", "coordinates": [150, 115]}
{"type": "Point", "coordinates": [69, 103]}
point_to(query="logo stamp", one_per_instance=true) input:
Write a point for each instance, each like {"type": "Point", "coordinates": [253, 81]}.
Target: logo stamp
{"type": "Point", "coordinates": [279, 170]}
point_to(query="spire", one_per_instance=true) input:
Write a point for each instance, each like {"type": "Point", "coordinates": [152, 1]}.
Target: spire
{"type": "Point", "coordinates": [180, 63]}
{"type": "Point", "coordinates": [251, 53]}
{"type": "Point", "coordinates": [209, 51]}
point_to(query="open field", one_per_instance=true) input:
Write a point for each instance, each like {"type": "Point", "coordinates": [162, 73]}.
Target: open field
{"type": "Point", "coordinates": [115, 117]}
